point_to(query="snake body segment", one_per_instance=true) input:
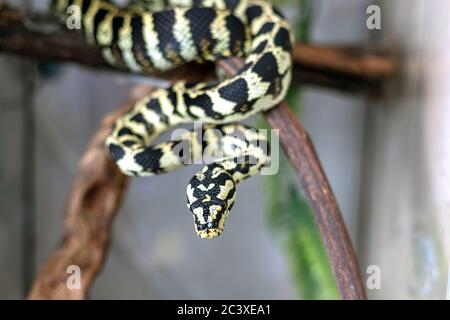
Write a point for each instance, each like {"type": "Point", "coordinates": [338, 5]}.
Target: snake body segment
{"type": "Point", "coordinates": [163, 34]}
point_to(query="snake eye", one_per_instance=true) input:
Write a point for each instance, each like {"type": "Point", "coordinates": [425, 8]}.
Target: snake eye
{"type": "Point", "coordinates": [201, 226]}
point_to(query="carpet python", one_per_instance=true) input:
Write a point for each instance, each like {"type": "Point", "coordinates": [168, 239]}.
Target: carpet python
{"type": "Point", "coordinates": [144, 36]}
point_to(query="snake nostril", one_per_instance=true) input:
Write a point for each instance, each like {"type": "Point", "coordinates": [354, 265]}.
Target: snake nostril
{"type": "Point", "coordinates": [201, 227]}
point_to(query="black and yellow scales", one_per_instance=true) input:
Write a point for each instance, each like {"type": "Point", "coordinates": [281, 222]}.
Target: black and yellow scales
{"type": "Point", "coordinates": [163, 34]}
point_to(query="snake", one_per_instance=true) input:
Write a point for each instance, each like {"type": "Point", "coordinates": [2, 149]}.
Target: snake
{"type": "Point", "coordinates": [160, 35]}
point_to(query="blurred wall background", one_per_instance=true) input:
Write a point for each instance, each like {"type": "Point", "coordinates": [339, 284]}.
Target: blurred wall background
{"type": "Point", "coordinates": [405, 204]}
{"type": "Point", "coordinates": [387, 161]}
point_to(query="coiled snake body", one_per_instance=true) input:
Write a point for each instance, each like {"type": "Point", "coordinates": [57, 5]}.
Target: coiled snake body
{"type": "Point", "coordinates": [162, 34]}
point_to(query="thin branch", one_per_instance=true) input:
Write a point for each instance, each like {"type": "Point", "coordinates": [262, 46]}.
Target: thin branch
{"type": "Point", "coordinates": [370, 64]}
{"type": "Point", "coordinates": [43, 38]}
{"type": "Point", "coordinates": [303, 157]}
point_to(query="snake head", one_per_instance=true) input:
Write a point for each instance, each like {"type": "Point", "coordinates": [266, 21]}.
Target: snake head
{"type": "Point", "coordinates": [210, 197]}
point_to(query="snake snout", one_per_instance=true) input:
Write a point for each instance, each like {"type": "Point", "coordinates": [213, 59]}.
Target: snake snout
{"type": "Point", "coordinates": [208, 230]}
{"type": "Point", "coordinates": [210, 218]}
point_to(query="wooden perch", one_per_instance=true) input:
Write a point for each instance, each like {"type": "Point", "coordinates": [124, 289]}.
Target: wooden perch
{"type": "Point", "coordinates": [96, 195]}
{"type": "Point", "coordinates": [43, 38]}
{"type": "Point", "coordinates": [361, 63]}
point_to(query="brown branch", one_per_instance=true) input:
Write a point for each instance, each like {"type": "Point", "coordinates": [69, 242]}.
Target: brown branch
{"type": "Point", "coordinates": [96, 195]}
{"type": "Point", "coordinates": [44, 39]}
{"type": "Point", "coordinates": [370, 64]}
{"type": "Point", "coordinates": [302, 155]}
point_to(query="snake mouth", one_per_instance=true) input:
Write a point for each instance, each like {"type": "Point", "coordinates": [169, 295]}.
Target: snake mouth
{"type": "Point", "coordinates": [209, 233]}
{"type": "Point", "coordinates": [208, 230]}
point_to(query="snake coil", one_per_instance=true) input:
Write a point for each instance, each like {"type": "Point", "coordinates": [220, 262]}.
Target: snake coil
{"type": "Point", "coordinates": [162, 34]}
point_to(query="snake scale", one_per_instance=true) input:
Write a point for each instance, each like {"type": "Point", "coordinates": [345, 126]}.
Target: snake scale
{"type": "Point", "coordinates": [145, 36]}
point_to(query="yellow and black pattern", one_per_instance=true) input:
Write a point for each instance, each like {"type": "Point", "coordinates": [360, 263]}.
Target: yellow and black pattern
{"type": "Point", "coordinates": [160, 35]}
